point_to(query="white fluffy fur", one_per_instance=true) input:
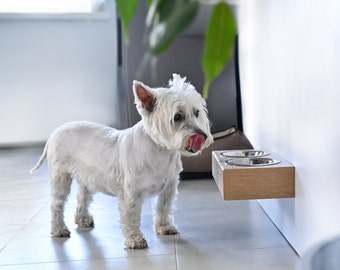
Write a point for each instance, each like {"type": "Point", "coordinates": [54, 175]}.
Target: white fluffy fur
{"type": "Point", "coordinates": [131, 164]}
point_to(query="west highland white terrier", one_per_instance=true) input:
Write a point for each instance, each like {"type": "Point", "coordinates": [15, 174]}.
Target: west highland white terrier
{"type": "Point", "coordinates": [132, 164]}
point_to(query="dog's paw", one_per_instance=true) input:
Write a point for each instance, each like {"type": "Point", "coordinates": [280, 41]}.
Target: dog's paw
{"type": "Point", "coordinates": [85, 222]}
{"type": "Point", "coordinates": [166, 229]}
{"type": "Point", "coordinates": [61, 231]}
{"type": "Point", "coordinates": [137, 242]}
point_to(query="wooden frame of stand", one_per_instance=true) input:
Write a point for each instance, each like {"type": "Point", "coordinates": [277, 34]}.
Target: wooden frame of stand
{"type": "Point", "coordinates": [253, 182]}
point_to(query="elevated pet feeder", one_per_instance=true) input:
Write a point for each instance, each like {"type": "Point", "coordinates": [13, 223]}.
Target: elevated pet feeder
{"type": "Point", "coordinates": [252, 174]}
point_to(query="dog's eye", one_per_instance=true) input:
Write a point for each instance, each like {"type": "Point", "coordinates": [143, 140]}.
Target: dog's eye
{"type": "Point", "coordinates": [178, 117]}
{"type": "Point", "coordinates": [196, 113]}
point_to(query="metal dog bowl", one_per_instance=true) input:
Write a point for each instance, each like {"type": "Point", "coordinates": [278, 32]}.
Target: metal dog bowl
{"type": "Point", "coordinates": [252, 162]}
{"type": "Point", "coordinates": [245, 153]}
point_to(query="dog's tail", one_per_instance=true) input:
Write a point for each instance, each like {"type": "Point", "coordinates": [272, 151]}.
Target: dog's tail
{"type": "Point", "coordinates": [41, 160]}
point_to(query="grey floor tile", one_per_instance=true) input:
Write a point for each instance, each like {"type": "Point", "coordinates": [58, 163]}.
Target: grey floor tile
{"type": "Point", "coordinates": [246, 259]}
{"type": "Point", "coordinates": [103, 242]}
{"type": "Point", "coordinates": [217, 225]}
{"type": "Point", "coordinates": [7, 232]}
{"type": "Point", "coordinates": [164, 262]}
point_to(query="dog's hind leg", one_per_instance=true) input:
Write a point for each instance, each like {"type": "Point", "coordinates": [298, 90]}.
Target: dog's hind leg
{"type": "Point", "coordinates": [163, 219]}
{"type": "Point", "coordinates": [60, 189]}
{"type": "Point", "coordinates": [130, 213]}
{"type": "Point", "coordinates": [83, 218]}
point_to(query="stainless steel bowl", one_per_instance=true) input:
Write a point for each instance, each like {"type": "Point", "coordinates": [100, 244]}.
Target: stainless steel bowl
{"type": "Point", "coordinates": [252, 162]}
{"type": "Point", "coordinates": [244, 153]}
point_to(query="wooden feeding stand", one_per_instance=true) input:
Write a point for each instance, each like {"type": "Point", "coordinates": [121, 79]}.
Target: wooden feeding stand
{"type": "Point", "coordinates": [252, 174]}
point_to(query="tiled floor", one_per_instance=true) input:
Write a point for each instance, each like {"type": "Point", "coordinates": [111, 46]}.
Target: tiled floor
{"type": "Point", "coordinates": [214, 234]}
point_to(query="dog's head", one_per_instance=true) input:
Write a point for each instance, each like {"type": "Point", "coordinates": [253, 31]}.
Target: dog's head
{"type": "Point", "coordinates": [175, 117]}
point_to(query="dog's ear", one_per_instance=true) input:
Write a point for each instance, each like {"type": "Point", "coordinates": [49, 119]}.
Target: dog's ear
{"type": "Point", "coordinates": [144, 96]}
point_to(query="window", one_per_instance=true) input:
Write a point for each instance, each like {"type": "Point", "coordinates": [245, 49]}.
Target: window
{"type": "Point", "coordinates": [51, 6]}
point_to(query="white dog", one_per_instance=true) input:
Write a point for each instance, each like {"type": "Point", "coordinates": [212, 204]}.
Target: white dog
{"type": "Point", "coordinates": [131, 164]}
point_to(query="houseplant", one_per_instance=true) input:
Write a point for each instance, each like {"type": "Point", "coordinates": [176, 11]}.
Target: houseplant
{"type": "Point", "coordinates": [167, 19]}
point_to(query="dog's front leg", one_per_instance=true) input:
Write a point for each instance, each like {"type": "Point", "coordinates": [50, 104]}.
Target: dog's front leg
{"type": "Point", "coordinates": [163, 220]}
{"type": "Point", "coordinates": [130, 212]}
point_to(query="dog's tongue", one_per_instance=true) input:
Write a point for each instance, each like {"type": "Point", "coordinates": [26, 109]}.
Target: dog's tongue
{"type": "Point", "coordinates": [195, 143]}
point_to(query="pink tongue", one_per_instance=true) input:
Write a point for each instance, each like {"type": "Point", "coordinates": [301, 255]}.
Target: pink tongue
{"type": "Point", "coordinates": [196, 141]}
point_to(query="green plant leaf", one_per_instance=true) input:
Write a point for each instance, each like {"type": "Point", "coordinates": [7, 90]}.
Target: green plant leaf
{"type": "Point", "coordinates": [126, 10]}
{"type": "Point", "coordinates": [165, 32]}
{"type": "Point", "coordinates": [166, 9]}
{"type": "Point", "coordinates": [159, 11]}
{"type": "Point", "coordinates": [219, 43]}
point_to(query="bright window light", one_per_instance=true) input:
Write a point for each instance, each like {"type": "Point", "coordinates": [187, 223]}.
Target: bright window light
{"type": "Point", "coordinates": [46, 6]}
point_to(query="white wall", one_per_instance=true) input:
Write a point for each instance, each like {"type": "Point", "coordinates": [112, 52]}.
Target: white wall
{"type": "Point", "coordinates": [290, 80]}
{"type": "Point", "coordinates": [56, 70]}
